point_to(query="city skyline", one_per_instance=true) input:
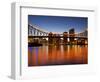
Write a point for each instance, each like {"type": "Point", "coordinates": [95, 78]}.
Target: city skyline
{"type": "Point", "coordinates": [57, 40]}
{"type": "Point", "coordinates": [59, 23]}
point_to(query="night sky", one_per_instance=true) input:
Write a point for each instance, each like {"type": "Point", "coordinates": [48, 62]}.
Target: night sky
{"type": "Point", "coordinates": [59, 24]}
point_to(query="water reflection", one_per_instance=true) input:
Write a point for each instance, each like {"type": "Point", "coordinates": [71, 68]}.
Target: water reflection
{"type": "Point", "coordinates": [57, 55]}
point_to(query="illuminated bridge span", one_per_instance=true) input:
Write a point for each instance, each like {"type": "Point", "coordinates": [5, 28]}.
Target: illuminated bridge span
{"type": "Point", "coordinates": [36, 32]}
{"type": "Point", "coordinates": [56, 37]}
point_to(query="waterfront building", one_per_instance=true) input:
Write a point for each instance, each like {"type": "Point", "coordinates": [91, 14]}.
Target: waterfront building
{"type": "Point", "coordinates": [50, 39]}
{"type": "Point", "coordinates": [65, 39]}
{"type": "Point", "coordinates": [71, 35]}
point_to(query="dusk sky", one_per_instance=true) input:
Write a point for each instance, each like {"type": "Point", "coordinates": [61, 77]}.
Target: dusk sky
{"type": "Point", "coordinates": [59, 23]}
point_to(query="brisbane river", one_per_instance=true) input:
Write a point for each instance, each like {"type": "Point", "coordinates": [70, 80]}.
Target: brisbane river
{"type": "Point", "coordinates": [57, 55]}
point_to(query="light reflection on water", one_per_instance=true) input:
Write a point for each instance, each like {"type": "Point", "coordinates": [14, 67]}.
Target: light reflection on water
{"type": "Point", "coordinates": [57, 55]}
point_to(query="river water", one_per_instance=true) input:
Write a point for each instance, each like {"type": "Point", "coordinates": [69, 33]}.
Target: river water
{"type": "Point", "coordinates": [57, 55]}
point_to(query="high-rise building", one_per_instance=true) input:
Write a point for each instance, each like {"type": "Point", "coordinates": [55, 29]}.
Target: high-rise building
{"type": "Point", "coordinates": [50, 39]}
{"type": "Point", "coordinates": [56, 39]}
{"type": "Point", "coordinates": [71, 34]}
{"type": "Point", "coordinates": [86, 33]}
{"type": "Point", "coordinates": [65, 35]}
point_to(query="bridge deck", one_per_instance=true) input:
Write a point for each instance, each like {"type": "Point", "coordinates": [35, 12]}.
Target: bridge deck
{"type": "Point", "coordinates": [56, 37]}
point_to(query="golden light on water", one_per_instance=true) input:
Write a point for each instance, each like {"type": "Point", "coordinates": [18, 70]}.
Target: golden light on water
{"type": "Point", "coordinates": [57, 55]}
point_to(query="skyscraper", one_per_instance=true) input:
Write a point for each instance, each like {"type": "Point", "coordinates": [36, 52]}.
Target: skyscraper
{"type": "Point", "coordinates": [65, 34]}
{"type": "Point", "coordinates": [71, 34]}
{"type": "Point", "coordinates": [50, 39]}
